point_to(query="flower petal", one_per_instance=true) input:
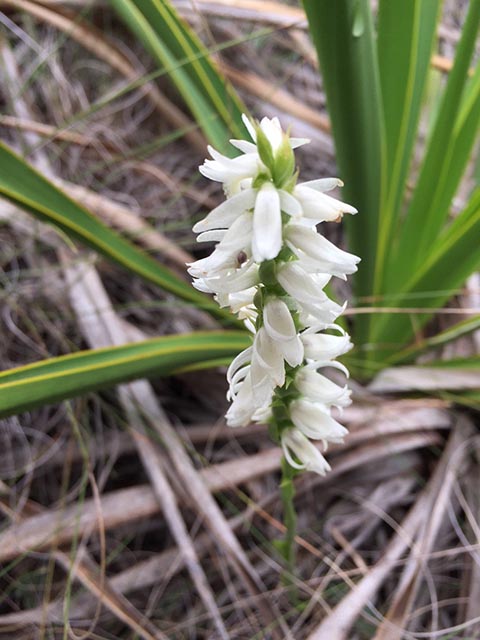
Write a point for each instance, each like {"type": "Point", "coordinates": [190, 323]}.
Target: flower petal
{"type": "Point", "coordinates": [313, 421]}
{"type": "Point", "coordinates": [249, 126]}
{"type": "Point", "coordinates": [244, 146]}
{"type": "Point", "coordinates": [298, 142]}
{"type": "Point", "coordinates": [278, 320]}
{"type": "Point", "coordinates": [323, 184]}
{"type": "Point", "coordinates": [267, 359]}
{"type": "Point", "coordinates": [289, 204]}
{"type": "Point", "coordinates": [273, 131]}
{"type": "Point", "coordinates": [320, 207]}
{"type": "Point", "coordinates": [309, 456]}
{"type": "Point", "coordinates": [307, 291]}
{"type": "Point", "coordinates": [313, 386]}
{"type": "Point", "coordinates": [238, 362]}
{"type": "Point", "coordinates": [267, 224]}
{"type": "Point", "coordinates": [320, 252]}
{"type": "Point", "coordinates": [236, 281]}
{"type": "Point", "coordinates": [226, 213]}
{"type": "Point", "coordinates": [212, 236]}
{"type": "Point", "coordinates": [322, 346]}
{"type": "Point", "coordinates": [292, 351]}
{"type": "Point", "coordinates": [242, 408]}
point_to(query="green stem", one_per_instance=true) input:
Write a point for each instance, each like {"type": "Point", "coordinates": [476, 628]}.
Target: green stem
{"type": "Point", "coordinates": [287, 490]}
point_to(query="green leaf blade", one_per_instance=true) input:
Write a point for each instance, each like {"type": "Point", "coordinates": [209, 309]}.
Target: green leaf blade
{"type": "Point", "coordinates": [406, 33]}
{"type": "Point", "coordinates": [460, 329]}
{"type": "Point", "coordinates": [450, 261]}
{"type": "Point", "coordinates": [174, 46]}
{"type": "Point", "coordinates": [67, 376]}
{"type": "Point", "coordinates": [426, 214]}
{"type": "Point", "coordinates": [342, 32]}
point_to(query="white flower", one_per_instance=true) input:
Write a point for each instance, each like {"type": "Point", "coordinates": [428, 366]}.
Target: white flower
{"type": "Point", "coordinates": [242, 407]}
{"type": "Point", "coordinates": [228, 280]}
{"type": "Point", "coordinates": [319, 253]}
{"type": "Point", "coordinates": [238, 369]}
{"type": "Point", "coordinates": [280, 327]}
{"type": "Point", "coordinates": [263, 364]}
{"type": "Point", "coordinates": [299, 284]}
{"type": "Point", "coordinates": [321, 346]}
{"type": "Point", "coordinates": [233, 241]}
{"type": "Point", "coordinates": [314, 421]}
{"type": "Point", "coordinates": [241, 304]}
{"type": "Point", "coordinates": [234, 227]}
{"type": "Point", "coordinates": [323, 184]}
{"type": "Point", "coordinates": [283, 304]}
{"type": "Point", "coordinates": [290, 205]}
{"type": "Point", "coordinates": [231, 171]}
{"type": "Point", "coordinates": [318, 388]}
{"type": "Point", "coordinates": [317, 206]}
{"type": "Point", "coordinates": [226, 213]}
{"type": "Point", "coordinates": [267, 224]}
{"type": "Point", "coordinates": [238, 173]}
{"type": "Point", "coordinates": [308, 293]}
{"type": "Point", "coordinates": [245, 408]}
{"type": "Point", "coordinates": [267, 360]}
{"type": "Point", "coordinates": [273, 132]}
{"type": "Point", "coordinates": [310, 457]}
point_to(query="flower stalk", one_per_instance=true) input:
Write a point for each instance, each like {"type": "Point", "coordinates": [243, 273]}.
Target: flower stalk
{"type": "Point", "coordinates": [270, 266]}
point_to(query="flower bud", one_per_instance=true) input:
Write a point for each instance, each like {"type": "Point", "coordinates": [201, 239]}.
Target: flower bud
{"type": "Point", "coordinates": [284, 165]}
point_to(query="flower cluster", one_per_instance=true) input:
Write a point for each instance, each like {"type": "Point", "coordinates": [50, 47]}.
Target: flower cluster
{"type": "Point", "coordinates": [270, 267]}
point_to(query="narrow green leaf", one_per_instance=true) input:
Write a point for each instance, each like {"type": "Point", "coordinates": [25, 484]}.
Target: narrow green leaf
{"type": "Point", "coordinates": [459, 330]}
{"type": "Point", "coordinates": [342, 32]}
{"type": "Point", "coordinates": [183, 42]}
{"type": "Point", "coordinates": [406, 33]}
{"type": "Point", "coordinates": [464, 136]}
{"type": "Point", "coordinates": [172, 43]}
{"type": "Point", "coordinates": [467, 363]}
{"type": "Point", "coordinates": [465, 398]}
{"type": "Point", "coordinates": [451, 259]}
{"type": "Point", "coordinates": [67, 376]}
{"type": "Point", "coordinates": [426, 213]}
{"type": "Point", "coordinates": [23, 185]}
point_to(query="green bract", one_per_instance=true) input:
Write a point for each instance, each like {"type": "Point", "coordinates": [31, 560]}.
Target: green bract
{"type": "Point", "coordinates": [284, 165]}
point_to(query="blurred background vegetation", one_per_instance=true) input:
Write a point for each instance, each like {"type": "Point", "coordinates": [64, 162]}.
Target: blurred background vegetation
{"type": "Point", "coordinates": [130, 511]}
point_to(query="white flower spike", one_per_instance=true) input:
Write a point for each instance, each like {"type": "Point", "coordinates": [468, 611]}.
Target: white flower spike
{"type": "Point", "coordinates": [270, 267]}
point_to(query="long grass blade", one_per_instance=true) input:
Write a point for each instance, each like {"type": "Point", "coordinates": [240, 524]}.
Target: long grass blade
{"type": "Point", "coordinates": [464, 136]}
{"type": "Point", "coordinates": [343, 35]}
{"type": "Point", "coordinates": [406, 33]}
{"type": "Point", "coordinates": [67, 376]}
{"type": "Point", "coordinates": [451, 259]}
{"type": "Point", "coordinates": [174, 46]}
{"type": "Point", "coordinates": [459, 330]}
{"type": "Point", "coordinates": [429, 207]}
